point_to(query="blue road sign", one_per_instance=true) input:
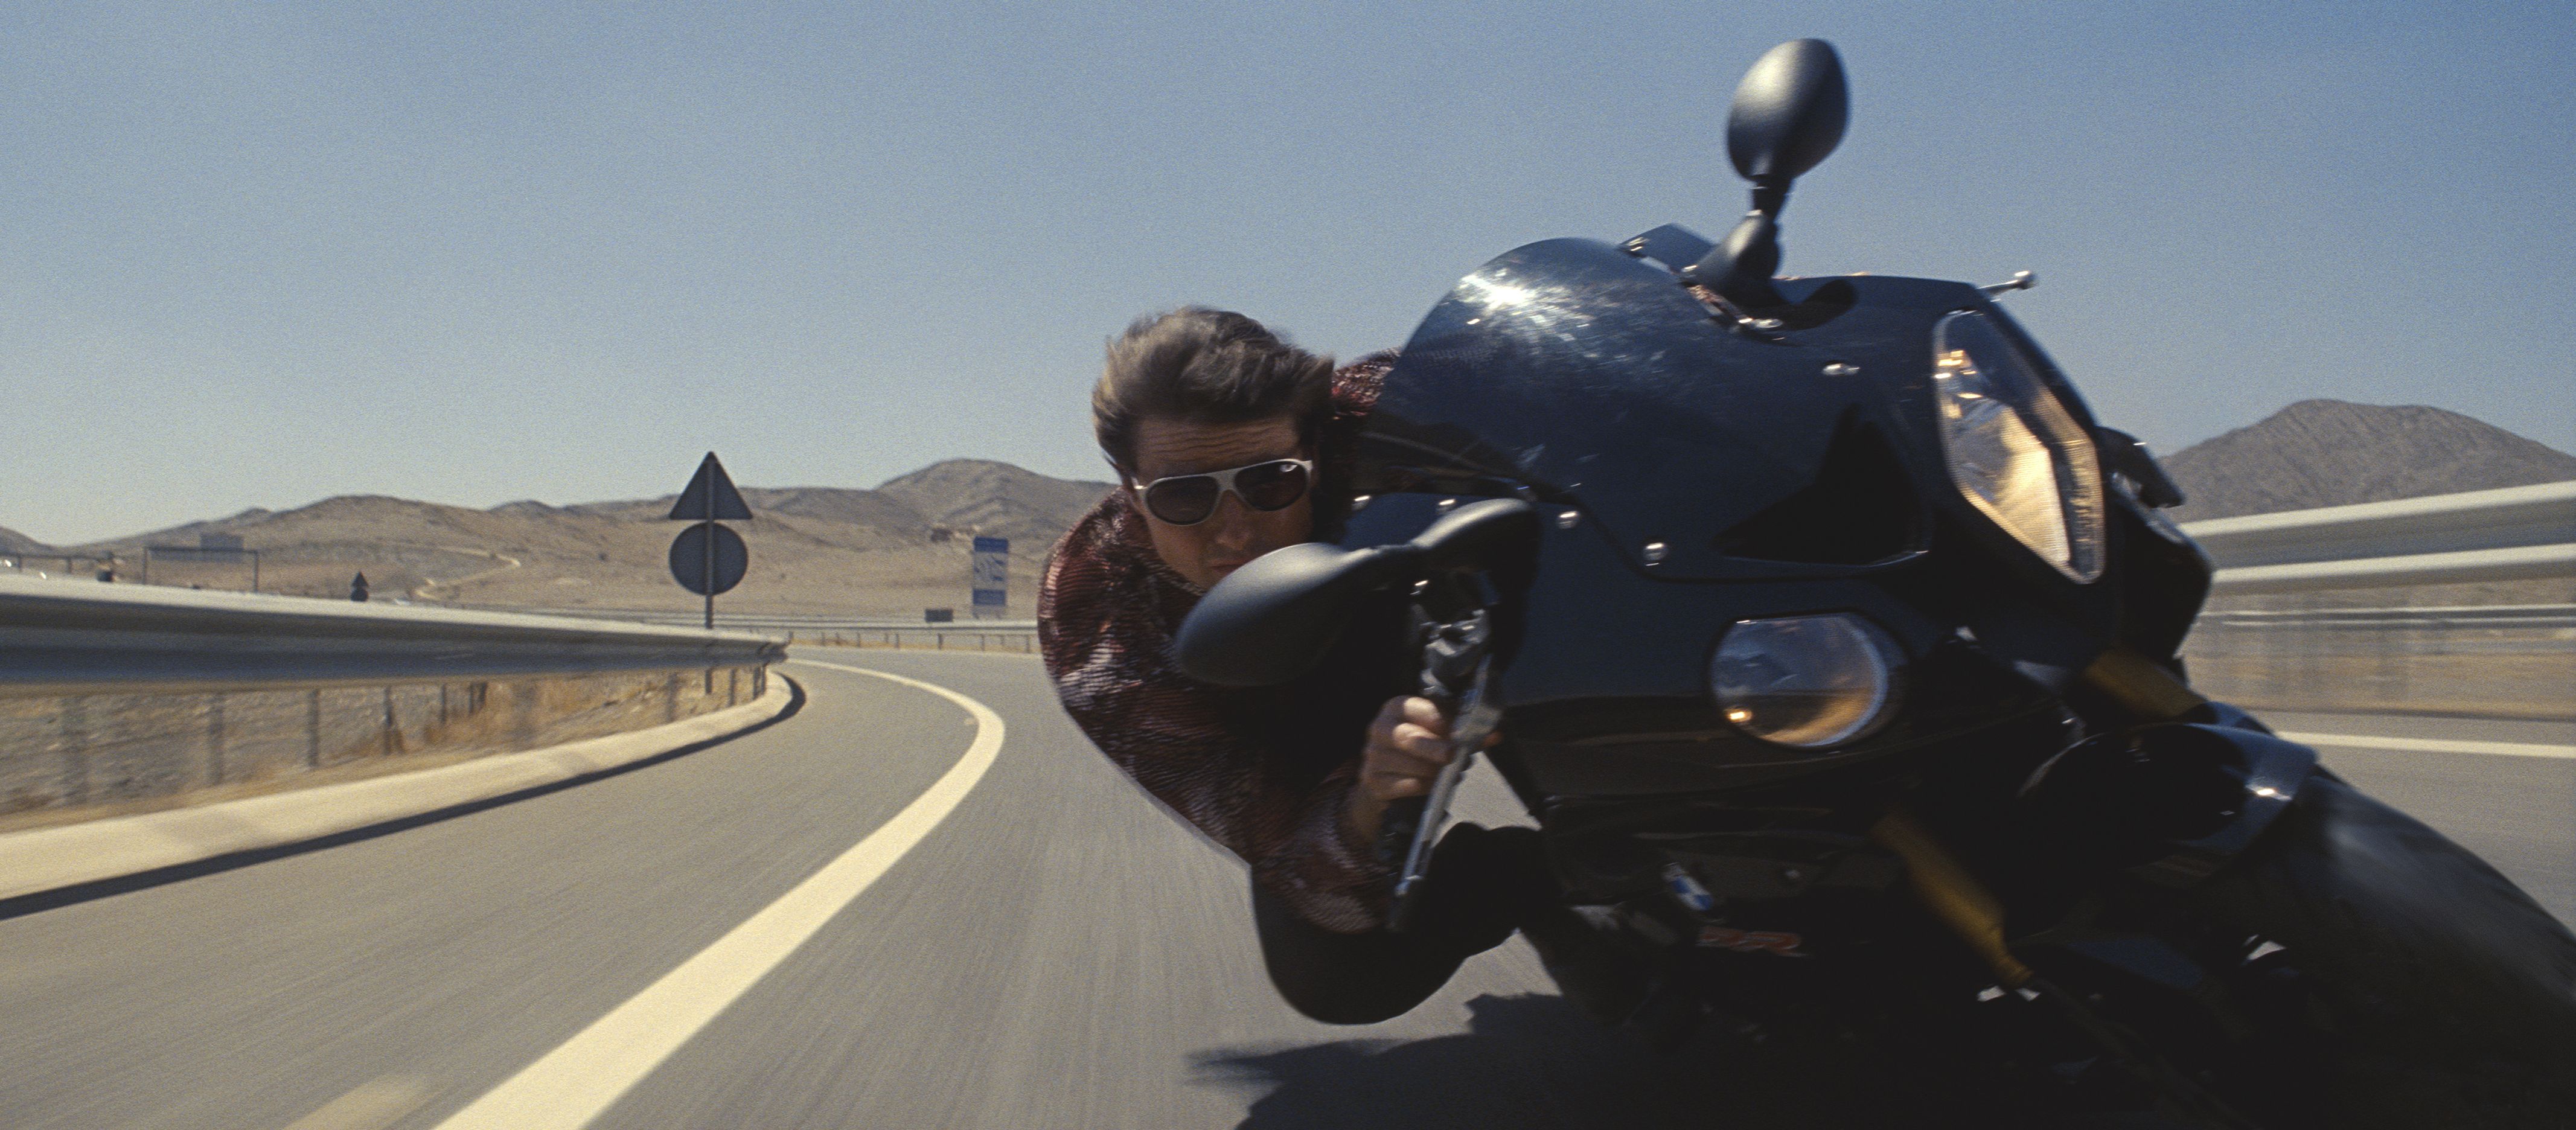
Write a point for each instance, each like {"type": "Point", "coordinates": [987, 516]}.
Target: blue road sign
{"type": "Point", "coordinates": [992, 573]}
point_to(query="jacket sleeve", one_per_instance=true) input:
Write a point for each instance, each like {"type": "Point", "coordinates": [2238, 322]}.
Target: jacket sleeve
{"type": "Point", "coordinates": [1187, 743]}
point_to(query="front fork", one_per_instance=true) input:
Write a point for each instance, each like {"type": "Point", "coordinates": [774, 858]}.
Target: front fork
{"type": "Point", "coordinates": [2133, 685]}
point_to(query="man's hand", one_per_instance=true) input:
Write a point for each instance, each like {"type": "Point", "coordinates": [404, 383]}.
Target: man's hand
{"type": "Point", "coordinates": [1408, 744]}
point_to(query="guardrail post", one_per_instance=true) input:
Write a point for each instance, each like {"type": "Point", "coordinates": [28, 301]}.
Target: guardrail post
{"type": "Point", "coordinates": [2317, 643]}
{"type": "Point", "coordinates": [2390, 664]}
{"type": "Point", "coordinates": [391, 734]}
{"type": "Point", "coordinates": [523, 711]}
{"type": "Point", "coordinates": [313, 728]}
{"type": "Point", "coordinates": [73, 722]}
{"type": "Point", "coordinates": [215, 739]}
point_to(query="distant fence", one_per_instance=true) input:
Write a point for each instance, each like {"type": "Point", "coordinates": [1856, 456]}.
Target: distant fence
{"type": "Point", "coordinates": [840, 631]}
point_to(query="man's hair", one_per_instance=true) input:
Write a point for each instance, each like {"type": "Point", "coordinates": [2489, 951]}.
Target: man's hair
{"type": "Point", "coordinates": [1204, 366]}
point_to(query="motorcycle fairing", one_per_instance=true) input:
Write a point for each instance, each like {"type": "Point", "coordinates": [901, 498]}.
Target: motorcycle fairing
{"type": "Point", "coordinates": [1590, 378]}
{"type": "Point", "coordinates": [1582, 374]}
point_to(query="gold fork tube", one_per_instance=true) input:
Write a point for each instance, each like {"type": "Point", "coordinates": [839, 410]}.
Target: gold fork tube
{"type": "Point", "coordinates": [1952, 894]}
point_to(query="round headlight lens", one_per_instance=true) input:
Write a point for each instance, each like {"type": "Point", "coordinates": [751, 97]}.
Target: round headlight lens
{"type": "Point", "coordinates": [1806, 681]}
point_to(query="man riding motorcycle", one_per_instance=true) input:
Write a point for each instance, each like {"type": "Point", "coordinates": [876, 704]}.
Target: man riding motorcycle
{"type": "Point", "coordinates": [1230, 443]}
{"type": "Point", "coordinates": [1838, 644]}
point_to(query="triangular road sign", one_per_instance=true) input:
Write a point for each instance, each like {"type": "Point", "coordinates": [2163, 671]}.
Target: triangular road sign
{"type": "Point", "coordinates": [710, 497]}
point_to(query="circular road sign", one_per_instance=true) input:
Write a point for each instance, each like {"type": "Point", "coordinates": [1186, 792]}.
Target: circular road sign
{"type": "Point", "coordinates": [689, 559]}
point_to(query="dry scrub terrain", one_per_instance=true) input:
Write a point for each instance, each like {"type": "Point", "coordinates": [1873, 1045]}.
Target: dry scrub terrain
{"type": "Point", "coordinates": [891, 551]}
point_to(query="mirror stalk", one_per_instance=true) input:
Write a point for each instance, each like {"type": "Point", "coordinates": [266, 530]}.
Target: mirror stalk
{"type": "Point", "coordinates": [1788, 114]}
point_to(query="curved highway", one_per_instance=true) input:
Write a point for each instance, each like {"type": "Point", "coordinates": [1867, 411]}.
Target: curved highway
{"type": "Point", "coordinates": [856, 917]}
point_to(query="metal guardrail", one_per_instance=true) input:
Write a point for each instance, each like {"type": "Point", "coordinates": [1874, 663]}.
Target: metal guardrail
{"type": "Point", "coordinates": [857, 631]}
{"type": "Point", "coordinates": [2490, 661]}
{"type": "Point", "coordinates": [2530, 617]}
{"type": "Point", "coordinates": [2517, 533]}
{"type": "Point", "coordinates": [73, 637]}
{"type": "Point", "coordinates": [786, 621]}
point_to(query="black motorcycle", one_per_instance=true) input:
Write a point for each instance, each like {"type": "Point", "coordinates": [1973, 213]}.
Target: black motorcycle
{"type": "Point", "coordinates": [1834, 648]}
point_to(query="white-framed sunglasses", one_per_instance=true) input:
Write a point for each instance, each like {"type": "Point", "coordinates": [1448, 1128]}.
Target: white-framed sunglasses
{"type": "Point", "coordinates": [1187, 500]}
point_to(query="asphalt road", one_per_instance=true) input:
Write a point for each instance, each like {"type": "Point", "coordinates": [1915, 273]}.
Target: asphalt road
{"type": "Point", "coordinates": [1056, 952]}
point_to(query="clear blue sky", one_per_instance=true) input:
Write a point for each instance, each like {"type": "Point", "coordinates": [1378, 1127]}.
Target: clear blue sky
{"type": "Point", "coordinates": [256, 255]}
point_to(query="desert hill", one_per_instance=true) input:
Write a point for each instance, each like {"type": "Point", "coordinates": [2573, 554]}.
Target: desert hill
{"type": "Point", "coordinates": [11, 541]}
{"type": "Point", "coordinates": [2336, 453]}
{"type": "Point", "coordinates": [994, 498]}
{"type": "Point", "coordinates": [813, 549]}
{"type": "Point", "coordinates": [830, 504]}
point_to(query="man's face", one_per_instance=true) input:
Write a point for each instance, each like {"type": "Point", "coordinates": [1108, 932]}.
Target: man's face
{"type": "Point", "coordinates": [1207, 551]}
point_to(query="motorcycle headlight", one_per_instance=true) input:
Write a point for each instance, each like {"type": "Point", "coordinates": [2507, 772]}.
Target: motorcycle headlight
{"type": "Point", "coordinates": [1806, 681]}
{"type": "Point", "coordinates": [2012, 448]}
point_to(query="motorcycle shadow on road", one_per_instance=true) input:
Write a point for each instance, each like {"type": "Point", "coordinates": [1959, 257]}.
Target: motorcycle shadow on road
{"type": "Point", "coordinates": [1535, 1061]}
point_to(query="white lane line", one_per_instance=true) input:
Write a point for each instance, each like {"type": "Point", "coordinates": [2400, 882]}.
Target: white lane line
{"type": "Point", "coordinates": [571, 1085]}
{"type": "Point", "coordinates": [373, 1106]}
{"type": "Point", "coordinates": [2434, 745]}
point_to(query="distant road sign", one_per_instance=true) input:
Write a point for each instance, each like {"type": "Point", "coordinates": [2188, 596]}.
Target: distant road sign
{"type": "Point", "coordinates": [710, 497]}
{"type": "Point", "coordinates": [992, 570]}
{"type": "Point", "coordinates": [689, 558]}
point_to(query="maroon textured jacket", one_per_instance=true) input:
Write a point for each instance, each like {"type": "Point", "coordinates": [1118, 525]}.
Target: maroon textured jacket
{"type": "Point", "coordinates": [1264, 772]}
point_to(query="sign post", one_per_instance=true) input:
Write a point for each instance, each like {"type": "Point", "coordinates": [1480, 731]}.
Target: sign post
{"type": "Point", "coordinates": [708, 558]}
{"type": "Point", "coordinates": [992, 587]}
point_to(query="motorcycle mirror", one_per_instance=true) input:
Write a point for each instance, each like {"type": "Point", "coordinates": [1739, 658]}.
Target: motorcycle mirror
{"type": "Point", "coordinates": [1789, 113]}
{"type": "Point", "coordinates": [1273, 619]}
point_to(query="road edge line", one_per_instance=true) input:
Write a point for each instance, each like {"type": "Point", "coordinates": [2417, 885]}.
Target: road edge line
{"type": "Point", "coordinates": [2433, 745]}
{"type": "Point", "coordinates": [41, 860]}
{"type": "Point", "coordinates": [573, 1084]}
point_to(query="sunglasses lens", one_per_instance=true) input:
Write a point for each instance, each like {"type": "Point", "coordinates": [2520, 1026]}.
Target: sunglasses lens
{"type": "Point", "coordinates": [1183, 501]}
{"type": "Point", "coordinates": [1271, 486]}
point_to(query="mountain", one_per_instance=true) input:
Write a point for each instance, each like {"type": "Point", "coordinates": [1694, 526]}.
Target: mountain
{"type": "Point", "coordinates": [11, 541]}
{"type": "Point", "coordinates": [831, 504]}
{"type": "Point", "coordinates": [813, 549]}
{"type": "Point", "coordinates": [2336, 453]}
{"type": "Point", "coordinates": [995, 498]}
